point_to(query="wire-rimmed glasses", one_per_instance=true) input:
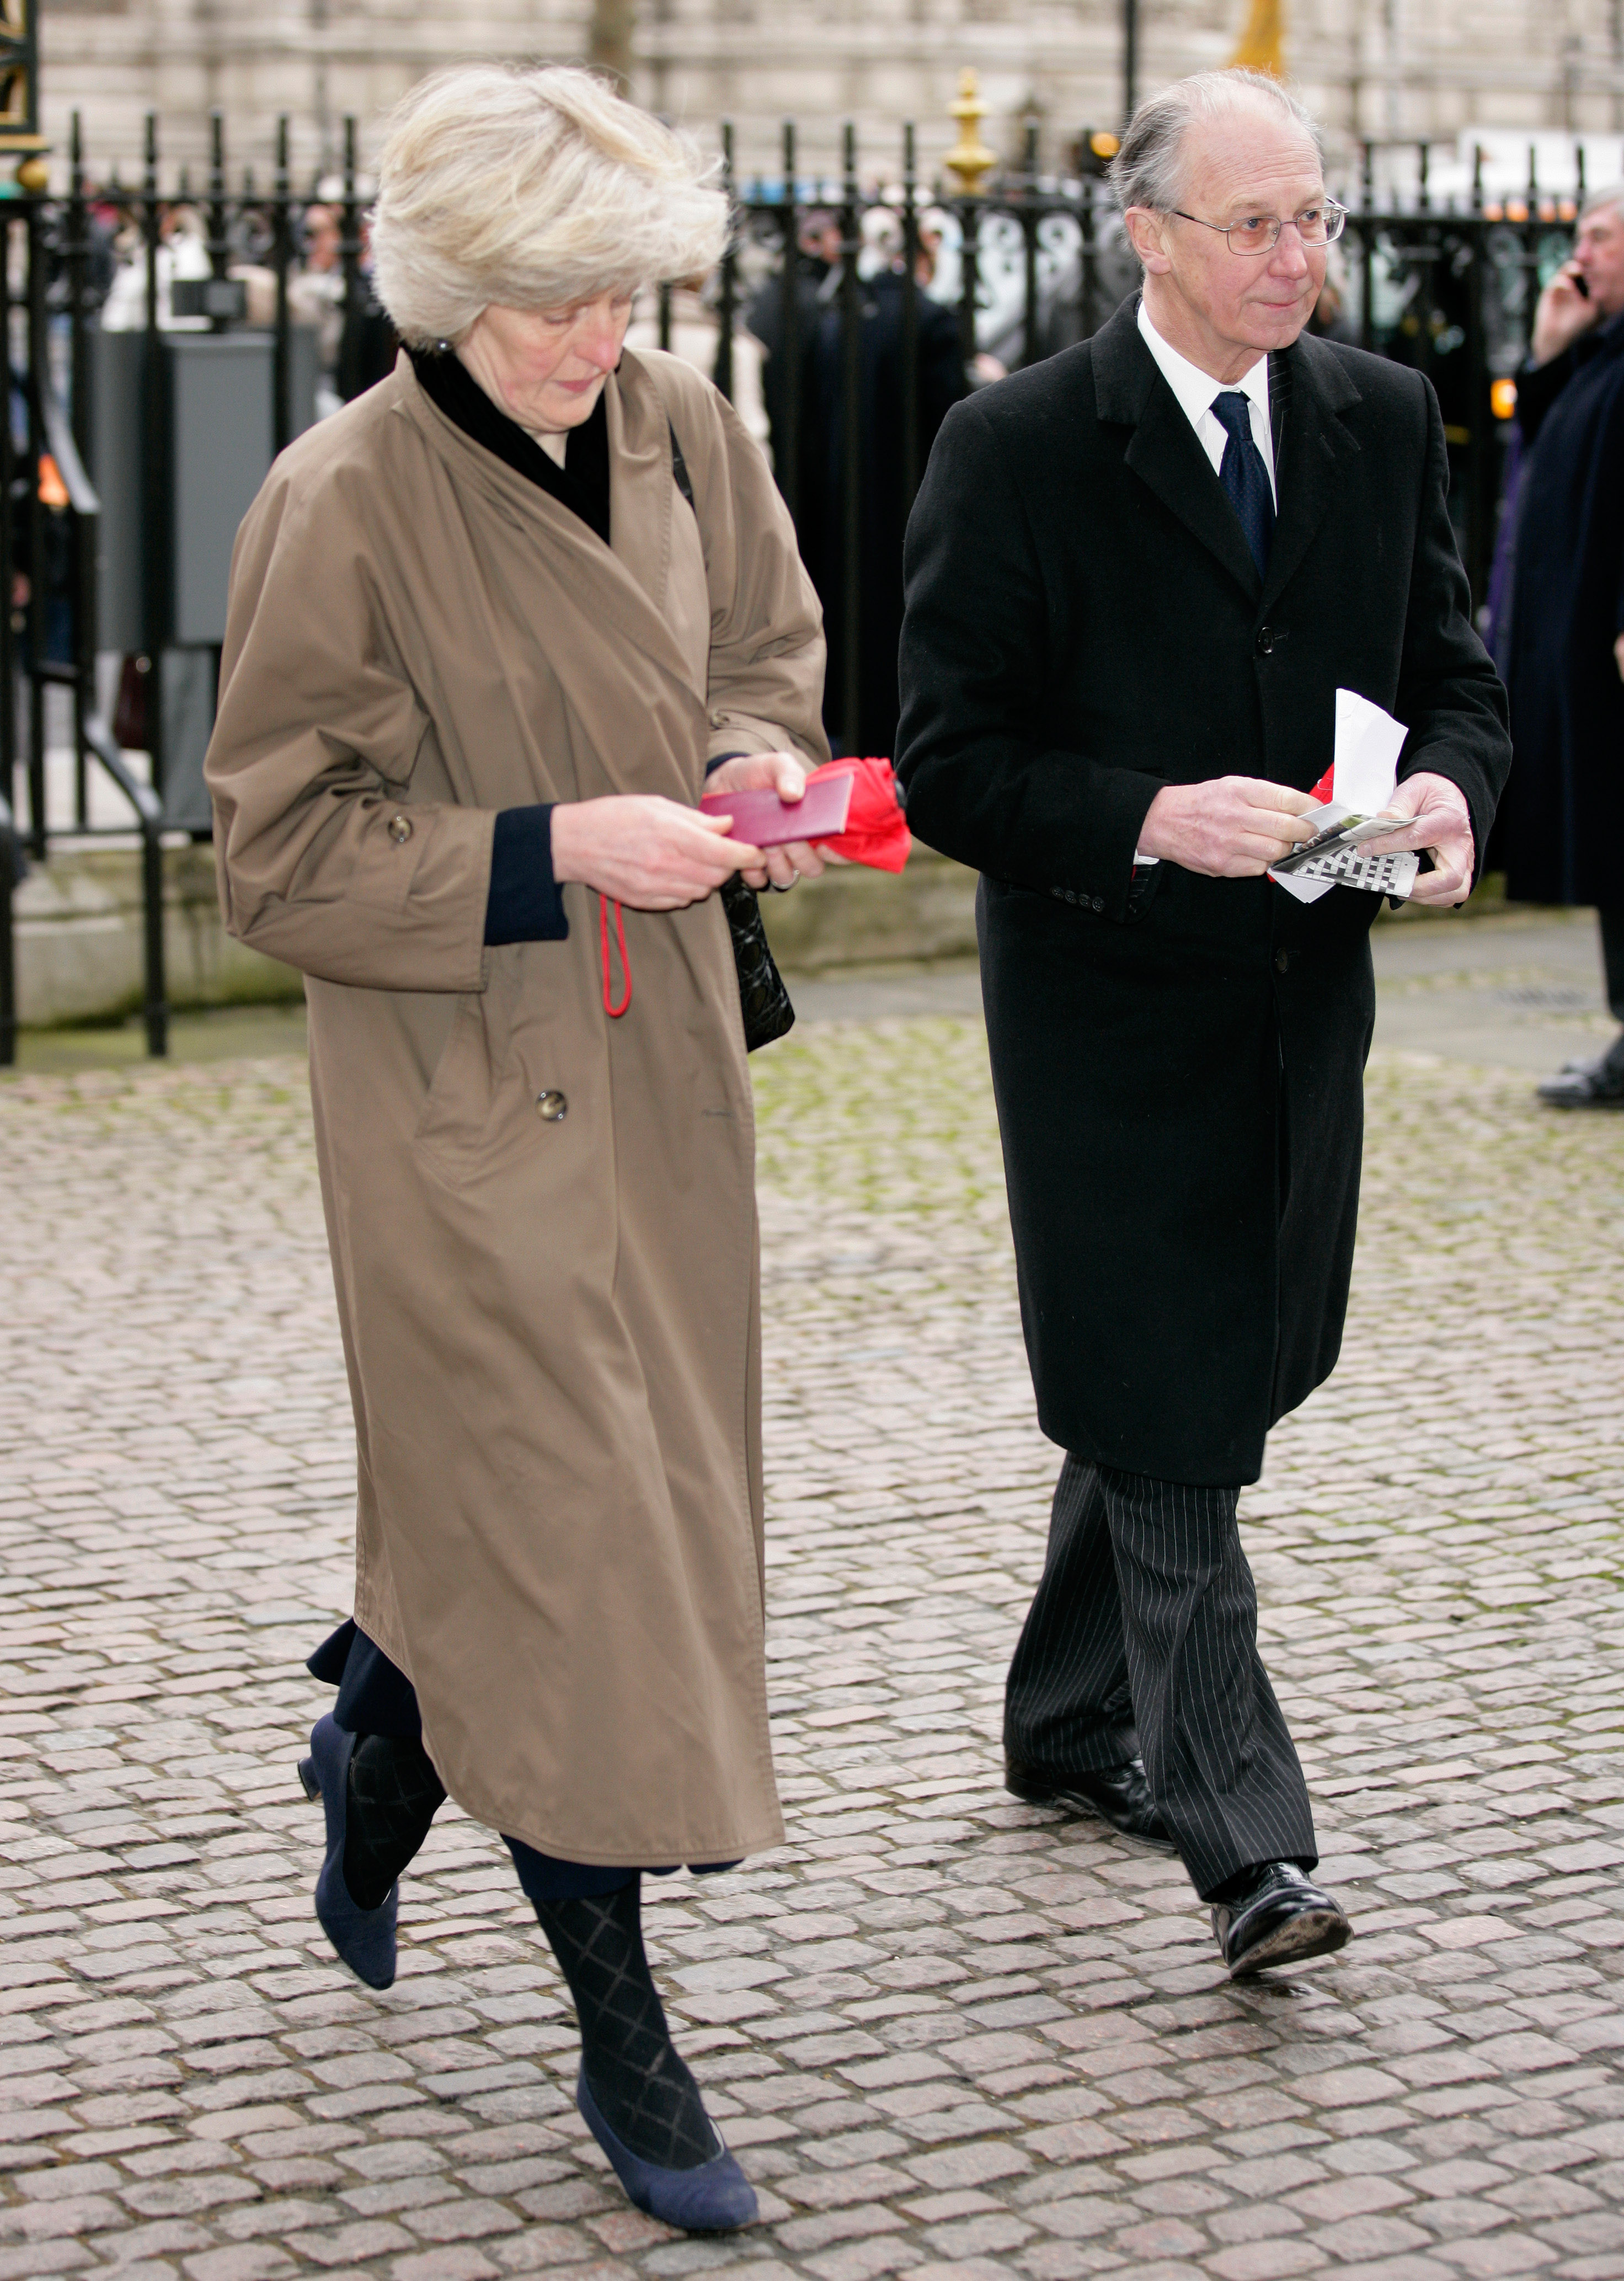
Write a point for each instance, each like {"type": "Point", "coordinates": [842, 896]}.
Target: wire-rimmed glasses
{"type": "Point", "coordinates": [1316, 225]}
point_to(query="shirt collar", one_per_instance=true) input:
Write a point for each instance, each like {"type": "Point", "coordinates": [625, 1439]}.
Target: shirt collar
{"type": "Point", "coordinates": [1194, 388]}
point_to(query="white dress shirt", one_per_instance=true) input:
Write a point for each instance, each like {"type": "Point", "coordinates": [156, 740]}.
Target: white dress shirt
{"type": "Point", "coordinates": [1196, 390]}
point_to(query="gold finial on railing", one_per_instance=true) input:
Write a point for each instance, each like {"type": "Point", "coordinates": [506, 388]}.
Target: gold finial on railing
{"type": "Point", "coordinates": [970, 158]}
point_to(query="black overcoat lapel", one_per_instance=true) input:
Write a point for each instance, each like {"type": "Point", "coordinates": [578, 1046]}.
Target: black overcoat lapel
{"type": "Point", "coordinates": [1164, 450]}
{"type": "Point", "coordinates": [1313, 447]}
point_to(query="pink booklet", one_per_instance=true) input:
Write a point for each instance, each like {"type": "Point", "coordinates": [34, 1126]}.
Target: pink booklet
{"type": "Point", "coordinates": [761, 819]}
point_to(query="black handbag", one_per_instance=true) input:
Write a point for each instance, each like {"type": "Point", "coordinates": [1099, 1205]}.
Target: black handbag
{"type": "Point", "coordinates": [765, 1001]}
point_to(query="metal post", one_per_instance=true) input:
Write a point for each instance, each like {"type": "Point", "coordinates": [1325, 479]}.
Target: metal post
{"type": "Point", "coordinates": [850, 448]}
{"type": "Point", "coordinates": [970, 275]}
{"type": "Point", "coordinates": [281, 257]}
{"type": "Point", "coordinates": [1088, 280]}
{"type": "Point", "coordinates": [350, 258]}
{"type": "Point", "coordinates": [1130, 58]}
{"type": "Point", "coordinates": [219, 244]}
{"type": "Point", "coordinates": [728, 295]}
{"type": "Point", "coordinates": [1028, 195]}
{"type": "Point", "coordinates": [82, 531]}
{"type": "Point", "coordinates": [910, 322]}
{"type": "Point", "coordinates": [155, 488]}
{"type": "Point", "coordinates": [8, 572]}
{"type": "Point", "coordinates": [37, 615]}
{"type": "Point", "coordinates": [787, 444]}
{"type": "Point", "coordinates": [1367, 263]}
{"type": "Point", "coordinates": [8, 950]}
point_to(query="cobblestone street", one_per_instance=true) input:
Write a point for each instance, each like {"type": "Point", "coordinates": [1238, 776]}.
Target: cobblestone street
{"type": "Point", "coordinates": [948, 2034]}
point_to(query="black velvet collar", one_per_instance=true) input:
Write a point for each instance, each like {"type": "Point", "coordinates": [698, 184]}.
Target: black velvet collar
{"type": "Point", "coordinates": [582, 483]}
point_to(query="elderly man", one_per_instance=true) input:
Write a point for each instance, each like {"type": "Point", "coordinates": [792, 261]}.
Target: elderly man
{"type": "Point", "coordinates": [1137, 574]}
{"type": "Point", "coordinates": [1564, 653]}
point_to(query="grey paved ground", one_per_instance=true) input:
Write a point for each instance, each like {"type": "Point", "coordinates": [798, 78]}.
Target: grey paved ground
{"type": "Point", "coordinates": [948, 2034]}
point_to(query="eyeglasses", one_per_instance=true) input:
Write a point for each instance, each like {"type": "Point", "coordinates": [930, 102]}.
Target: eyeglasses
{"type": "Point", "coordinates": [1261, 233]}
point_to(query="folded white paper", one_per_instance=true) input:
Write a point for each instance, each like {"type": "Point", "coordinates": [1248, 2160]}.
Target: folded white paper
{"type": "Point", "coordinates": [1364, 778]}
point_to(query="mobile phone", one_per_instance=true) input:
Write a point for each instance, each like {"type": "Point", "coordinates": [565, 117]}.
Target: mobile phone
{"type": "Point", "coordinates": [1581, 285]}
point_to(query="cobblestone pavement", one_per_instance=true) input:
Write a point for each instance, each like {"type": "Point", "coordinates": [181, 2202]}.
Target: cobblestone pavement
{"type": "Point", "coordinates": [948, 2034]}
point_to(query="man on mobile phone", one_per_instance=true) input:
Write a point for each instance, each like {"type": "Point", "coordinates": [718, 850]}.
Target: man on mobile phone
{"type": "Point", "coordinates": [1563, 652]}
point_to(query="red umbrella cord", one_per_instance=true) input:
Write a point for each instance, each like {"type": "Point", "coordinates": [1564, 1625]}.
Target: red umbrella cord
{"type": "Point", "coordinates": [609, 1006]}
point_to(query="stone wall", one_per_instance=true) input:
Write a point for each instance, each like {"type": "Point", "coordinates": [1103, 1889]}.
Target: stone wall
{"type": "Point", "coordinates": [79, 931]}
{"type": "Point", "coordinates": [1370, 65]}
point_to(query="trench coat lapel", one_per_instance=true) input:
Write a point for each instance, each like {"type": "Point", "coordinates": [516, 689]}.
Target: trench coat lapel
{"type": "Point", "coordinates": [621, 599]}
{"type": "Point", "coordinates": [1312, 450]}
{"type": "Point", "coordinates": [1164, 450]}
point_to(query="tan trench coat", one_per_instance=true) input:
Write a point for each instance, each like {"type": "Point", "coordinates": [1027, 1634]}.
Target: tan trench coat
{"type": "Point", "coordinates": [552, 1327]}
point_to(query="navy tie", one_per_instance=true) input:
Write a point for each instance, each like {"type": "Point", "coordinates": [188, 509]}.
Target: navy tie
{"type": "Point", "coordinates": [1244, 476]}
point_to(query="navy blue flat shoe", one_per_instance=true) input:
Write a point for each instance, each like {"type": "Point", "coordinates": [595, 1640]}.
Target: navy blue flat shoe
{"type": "Point", "coordinates": [712, 2199]}
{"type": "Point", "coordinates": [364, 1938]}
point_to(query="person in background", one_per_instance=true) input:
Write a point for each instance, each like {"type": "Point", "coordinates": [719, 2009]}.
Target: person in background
{"type": "Point", "coordinates": [1562, 647]}
{"type": "Point", "coordinates": [817, 266]}
{"type": "Point", "coordinates": [940, 381]}
{"type": "Point", "coordinates": [181, 255]}
{"type": "Point", "coordinates": [490, 628]}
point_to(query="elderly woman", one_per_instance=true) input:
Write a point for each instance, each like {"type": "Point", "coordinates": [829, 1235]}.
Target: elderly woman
{"type": "Point", "coordinates": [489, 627]}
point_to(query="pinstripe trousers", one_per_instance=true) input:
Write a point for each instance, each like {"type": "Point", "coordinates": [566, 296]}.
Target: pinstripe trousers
{"type": "Point", "coordinates": [1143, 1640]}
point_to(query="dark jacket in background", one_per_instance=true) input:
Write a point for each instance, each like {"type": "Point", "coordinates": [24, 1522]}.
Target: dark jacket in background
{"type": "Point", "coordinates": [1178, 1060]}
{"type": "Point", "coordinates": [883, 519]}
{"type": "Point", "coordinates": [1562, 824]}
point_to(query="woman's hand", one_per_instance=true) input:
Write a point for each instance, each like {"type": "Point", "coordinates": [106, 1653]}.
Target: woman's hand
{"type": "Point", "coordinates": [650, 854]}
{"type": "Point", "coordinates": [783, 773]}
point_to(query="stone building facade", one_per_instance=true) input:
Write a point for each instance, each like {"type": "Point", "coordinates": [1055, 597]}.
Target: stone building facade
{"type": "Point", "coordinates": [1371, 67]}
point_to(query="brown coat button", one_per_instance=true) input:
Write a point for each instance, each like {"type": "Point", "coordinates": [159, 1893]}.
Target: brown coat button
{"type": "Point", "coordinates": [400, 830]}
{"type": "Point", "coordinates": [550, 1107]}
{"type": "Point", "coordinates": [1282, 960]}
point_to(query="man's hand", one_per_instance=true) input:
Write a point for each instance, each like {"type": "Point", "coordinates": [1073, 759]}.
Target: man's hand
{"type": "Point", "coordinates": [783, 773]}
{"type": "Point", "coordinates": [650, 854]}
{"type": "Point", "coordinates": [1618, 655]}
{"type": "Point", "coordinates": [1442, 826]}
{"type": "Point", "coordinates": [1563, 314]}
{"type": "Point", "coordinates": [1231, 827]}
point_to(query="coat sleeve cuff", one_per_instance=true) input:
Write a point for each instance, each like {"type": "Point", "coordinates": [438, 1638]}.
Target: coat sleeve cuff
{"type": "Point", "coordinates": [525, 902]}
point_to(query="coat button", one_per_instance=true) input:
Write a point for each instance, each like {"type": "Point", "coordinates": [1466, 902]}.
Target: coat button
{"type": "Point", "coordinates": [1265, 641]}
{"type": "Point", "coordinates": [550, 1107]}
{"type": "Point", "coordinates": [717, 717]}
{"type": "Point", "coordinates": [400, 830]}
{"type": "Point", "coordinates": [1099, 903]}
{"type": "Point", "coordinates": [1282, 960]}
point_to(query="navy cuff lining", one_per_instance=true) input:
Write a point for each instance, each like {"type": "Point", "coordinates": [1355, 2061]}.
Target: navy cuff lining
{"type": "Point", "coordinates": [525, 902]}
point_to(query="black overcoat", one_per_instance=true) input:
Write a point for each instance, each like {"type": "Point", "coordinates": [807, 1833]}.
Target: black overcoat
{"type": "Point", "coordinates": [1562, 827]}
{"type": "Point", "coordinates": [1178, 1060]}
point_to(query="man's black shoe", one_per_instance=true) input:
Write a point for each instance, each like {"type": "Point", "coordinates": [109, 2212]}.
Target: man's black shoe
{"type": "Point", "coordinates": [1279, 1917]}
{"type": "Point", "coordinates": [1598, 1083]}
{"type": "Point", "coordinates": [1119, 1795]}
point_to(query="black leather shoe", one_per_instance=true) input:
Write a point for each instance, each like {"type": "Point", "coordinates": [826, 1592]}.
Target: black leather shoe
{"type": "Point", "coordinates": [1280, 1917]}
{"type": "Point", "coordinates": [1598, 1083]}
{"type": "Point", "coordinates": [1119, 1795]}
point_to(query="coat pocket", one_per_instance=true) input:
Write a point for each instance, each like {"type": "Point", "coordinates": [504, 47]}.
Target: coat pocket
{"type": "Point", "coordinates": [472, 1114]}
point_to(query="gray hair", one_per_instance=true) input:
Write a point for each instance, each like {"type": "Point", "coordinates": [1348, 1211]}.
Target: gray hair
{"type": "Point", "coordinates": [1145, 170]}
{"type": "Point", "coordinates": [1595, 201]}
{"type": "Point", "coordinates": [532, 188]}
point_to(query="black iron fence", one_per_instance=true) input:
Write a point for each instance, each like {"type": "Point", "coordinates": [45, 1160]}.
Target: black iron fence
{"type": "Point", "coordinates": [168, 337]}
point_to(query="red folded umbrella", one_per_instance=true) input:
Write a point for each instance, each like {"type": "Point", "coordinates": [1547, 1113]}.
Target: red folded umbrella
{"type": "Point", "coordinates": [876, 832]}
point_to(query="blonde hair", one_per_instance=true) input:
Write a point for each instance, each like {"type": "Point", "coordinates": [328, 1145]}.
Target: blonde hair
{"type": "Point", "coordinates": [531, 187]}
